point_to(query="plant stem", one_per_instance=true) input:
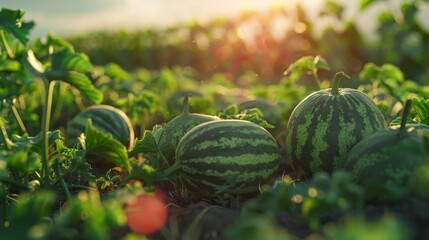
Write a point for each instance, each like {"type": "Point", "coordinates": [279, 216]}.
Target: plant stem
{"type": "Point", "coordinates": [46, 117]}
{"type": "Point", "coordinates": [176, 165]}
{"type": "Point", "coordinates": [6, 45]}
{"type": "Point", "coordinates": [62, 182]}
{"type": "Point", "coordinates": [4, 208]}
{"type": "Point", "coordinates": [15, 183]}
{"type": "Point", "coordinates": [336, 82]}
{"type": "Point", "coordinates": [18, 119]}
{"type": "Point", "coordinates": [185, 106]}
{"type": "Point", "coordinates": [5, 138]}
{"type": "Point", "coordinates": [316, 77]}
{"type": "Point", "coordinates": [402, 133]}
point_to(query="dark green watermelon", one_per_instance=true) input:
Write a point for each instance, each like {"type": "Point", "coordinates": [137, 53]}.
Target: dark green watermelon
{"type": "Point", "coordinates": [105, 118]}
{"type": "Point", "coordinates": [178, 126]}
{"type": "Point", "coordinates": [384, 161]}
{"type": "Point", "coordinates": [326, 125]}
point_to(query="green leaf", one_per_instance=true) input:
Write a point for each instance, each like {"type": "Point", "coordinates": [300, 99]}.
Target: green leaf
{"type": "Point", "coordinates": [76, 161]}
{"type": "Point", "coordinates": [81, 82]}
{"type": "Point", "coordinates": [254, 115]}
{"type": "Point", "coordinates": [321, 63]}
{"type": "Point", "coordinates": [58, 43]}
{"type": "Point", "coordinates": [146, 145]}
{"type": "Point", "coordinates": [369, 71]}
{"type": "Point", "coordinates": [421, 106]}
{"type": "Point", "coordinates": [363, 4]}
{"type": "Point", "coordinates": [151, 142]}
{"type": "Point", "coordinates": [65, 60]}
{"type": "Point", "coordinates": [71, 68]}
{"type": "Point", "coordinates": [12, 21]}
{"type": "Point", "coordinates": [30, 212]}
{"type": "Point", "coordinates": [301, 66]}
{"type": "Point", "coordinates": [105, 146]}
{"type": "Point", "coordinates": [390, 71]}
{"type": "Point", "coordinates": [307, 64]}
{"type": "Point", "coordinates": [10, 65]}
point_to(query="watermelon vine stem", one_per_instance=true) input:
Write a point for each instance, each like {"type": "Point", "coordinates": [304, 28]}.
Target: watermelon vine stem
{"type": "Point", "coordinates": [336, 82]}
{"type": "Point", "coordinates": [62, 181]}
{"type": "Point", "coordinates": [4, 138]}
{"type": "Point", "coordinates": [18, 118]}
{"type": "Point", "coordinates": [402, 133]}
{"type": "Point", "coordinates": [46, 117]}
{"type": "Point", "coordinates": [185, 106]}
{"type": "Point", "coordinates": [176, 165]}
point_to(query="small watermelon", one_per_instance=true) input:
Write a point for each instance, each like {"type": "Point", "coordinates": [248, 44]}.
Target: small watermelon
{"type": "Point", "coordinates": [105, 118]}
{"type": "Point", "coordinates": [178, 126]}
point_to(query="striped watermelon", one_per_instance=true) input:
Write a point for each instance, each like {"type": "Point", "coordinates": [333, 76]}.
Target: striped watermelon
{"type": "Point", "coordinates": [384, 161]}
{"type": "Point", "coordinates": [104, 118]}
{"type": "Point", "coordinates": [178, 126]}
{"type": "Point", "coordinates": [236, 156]}
{"type": "Point", "coordinates": [326, 125]}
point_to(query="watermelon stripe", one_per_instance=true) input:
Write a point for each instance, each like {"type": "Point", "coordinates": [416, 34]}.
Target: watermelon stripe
{"type": "Point", "coordinates": [223, 151]}
{"type": "Point", "coordinates": [229, 128]}
{"type": "Point", "coordinates": [219, 178]}
{"type": "Point", "coordinates": [236, 159]}
{"type": "Point", "coordinates": [215, 180]}
{"type": "Point", "coordinates": [229, 164]}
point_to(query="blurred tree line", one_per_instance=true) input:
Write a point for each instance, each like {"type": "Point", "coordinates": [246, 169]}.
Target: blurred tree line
{"type": "Point", "coordinates": [263, 44]}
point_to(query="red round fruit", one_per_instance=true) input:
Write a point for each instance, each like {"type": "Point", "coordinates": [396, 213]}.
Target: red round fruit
{"type": "Point", "coordinates": [146, 214]}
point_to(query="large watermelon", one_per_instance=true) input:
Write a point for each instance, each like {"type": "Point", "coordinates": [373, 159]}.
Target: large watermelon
{"type": "Point", "coordinates": [326, 125]}
{"type": "Point", "coordinates": [232, 156]}
{"type": "Point", "coordinates": [105, 118]}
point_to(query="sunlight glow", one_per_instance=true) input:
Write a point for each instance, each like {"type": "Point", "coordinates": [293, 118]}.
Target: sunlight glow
{"type": "Point", "coordinates": [300, 27]}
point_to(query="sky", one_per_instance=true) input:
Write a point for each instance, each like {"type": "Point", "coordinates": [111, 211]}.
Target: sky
{"type": "Point", "coordinates": [69, 17]}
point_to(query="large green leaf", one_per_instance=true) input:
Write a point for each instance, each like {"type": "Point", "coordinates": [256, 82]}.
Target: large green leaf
{"type": "Point", "coordinates": [64, 59]}
{"type": "Point", "coordinates": [12, 21]}
{"type": "Point", "coordinates": [105, 146]}
{"type": "Point", "coordinates": [30, 212]}
{"type": "Point", "coordinates": [152, 141]}
{"type": "Point", "coordinates": [68, 67]}
{"type": "Point", "coordinates": [81, 82]}
{"type": "Point", "coordinates": [71, 68]}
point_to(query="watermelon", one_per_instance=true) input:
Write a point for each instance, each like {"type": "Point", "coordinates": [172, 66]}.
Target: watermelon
{"type": "Point", "coordinates": [384, 161]}
{"type": "Point", "coordinates": [227, 156]}
{"type": "Point", "coordinates": [325, 125]}
{"type": "Point", "coordinates": [178, 126]}
{"type": "Point", "coordinates": [105, 118]}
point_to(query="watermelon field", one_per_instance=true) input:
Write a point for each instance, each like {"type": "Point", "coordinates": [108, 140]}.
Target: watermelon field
{"type": "Point", "coordinates": [231, 128]}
